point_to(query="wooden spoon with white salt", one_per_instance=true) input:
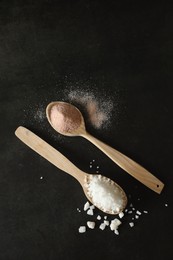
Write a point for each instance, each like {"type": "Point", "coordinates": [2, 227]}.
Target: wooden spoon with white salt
{"type": "Point", "coordinates": [68, 120]}
{"type": "Point", "coordinates": [102, 192]}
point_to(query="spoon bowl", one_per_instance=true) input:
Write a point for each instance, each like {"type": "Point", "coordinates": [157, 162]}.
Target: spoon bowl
{"type": "Point", "coordinates": [102, 192]}
{"type": "Point", "coordinates": [66, 119]}
{"type": "Point", "coordinates": [61, 113]}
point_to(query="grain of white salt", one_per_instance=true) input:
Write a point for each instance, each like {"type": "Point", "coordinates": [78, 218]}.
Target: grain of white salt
{"type": "Point", "coordinates": [115, 224]}
{"type": "Point", "coordinates": [131, 224]}
{"type": "Point", "coordinates": [136, 216]}
{"type": "Point", "coordinates": [116, 232]}
{"type": "Point", "coordinates": [91, 224]}
{"type": "Point", "coordinates": [41, 177]}
{"type": "Point", "coordinates": [138, 212]}
{"type": "Point", "coordinates": [102, 226]}
{"type": "Point", "coordinates": [121, 215]}
{"type": "Point", "coordinates": [82, 229]}
{"type": "Point", "coordinates": [90, 212]}
{"type": "Point", "coordinates": [86, 206]}
{"type": "Point", "coordinates": [145, 211]}
{"type": "Point", "coordinates": [99, 217]}
{"type": "Point", "coordinates": [166, 205]}
{"type": "Point", "coordinates": [106, 222]}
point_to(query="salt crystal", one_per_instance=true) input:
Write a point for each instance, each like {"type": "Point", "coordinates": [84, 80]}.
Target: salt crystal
{"type": "Point", "coordinates": [138, 212]}
{"type": "Point", "coordinates": [166, 205]}
{"type": "Point", "coordinates": [86, 206]}
{"type": "Point", "coordinates": [106, 222]}
{"type": "Point", "coordinates": [116, 232]}
{"type": "Point", "coordinates": [105, 217]}
{"type": "Point", "coordinates": [115, 224]}
{"type": "Point", "coordinates": [121, 215]}
{"type": "Point", "coordinates": [102, 226]}
{"type": "Point", "coordinates": [91, 224]}
{"type": "Point", "coordinates": [90, 212]}
{"type": "Point", "coordinates": [98, 217]}
{"type": "Point", "coordinates": [136, 216]}
{"type": "Point", "coordinates": [130, 212]}
{"type": "Point", "coordinates": [92, 207]}
{"type": "Point", "coordinates": [41, 177]}
{"type": "Point", "coordinates": [82, 229]}
{"type": "Point", "coordinates": [145, 211]}
{"type": "Point", "coordinates": [131, 224]}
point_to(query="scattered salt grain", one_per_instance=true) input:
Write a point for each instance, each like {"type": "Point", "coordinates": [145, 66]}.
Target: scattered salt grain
{"type": "Point", "coordinates": [105, 217]}
{"type": "Point", "coordinates": [102, 226]}
{"type": "Point", "coordinates": [86, 206]}
{"type": "Point", "coordinates": [99, 217]}
{"type": "Point", "coordinates": [130, 212]}
{"type": "Point", "coordinates": [166, 205]}
{"type": "Point", "coordinates": [116, 232]}
{"type": "Point", "coordinates": [131, 224]}
{"type": "Point", "coordinates": [41, 177]}
{"type": "Point", "coordinates": [78, 210]}
{"type": "Point", "coordinates": [115, 224]}
{"type": "Point", "coordinates": [145, 211]}
{"type": "Point", "coordinates": [92, 207]}
{"type": "Point", "coordinates": [90, 212]}
{"type": "Point", "coordinates": [82, 229]}
{"type": "Point", "coordinates": [91, 166]}
{"type": "Point", "coordinates": [106, 222]}
{"type": "Point", "coordinates": [91, 224]}
{"type": "Point", "coordinates": [136, 216]}
{"type": "Point", "coordinates": [121, 215]}
{"type": "Point", "coordinates": [138, 212]}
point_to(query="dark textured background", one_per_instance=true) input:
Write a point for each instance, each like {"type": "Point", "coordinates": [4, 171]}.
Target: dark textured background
{"type": "Point", "coordinates": [124, 50]}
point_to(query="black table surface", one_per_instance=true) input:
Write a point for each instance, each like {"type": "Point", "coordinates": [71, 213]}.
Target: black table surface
{"type": "Point", "coordinates": [112, 50]}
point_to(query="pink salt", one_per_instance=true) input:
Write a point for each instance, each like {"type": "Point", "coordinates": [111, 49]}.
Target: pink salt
{"type": "Point", "coordinates": [65, 118]}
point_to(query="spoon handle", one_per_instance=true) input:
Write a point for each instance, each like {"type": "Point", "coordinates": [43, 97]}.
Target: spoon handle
{"type": "Point", "coordinates": [127, 164]}
{"type": "Point", "coordinates": [49, 153]}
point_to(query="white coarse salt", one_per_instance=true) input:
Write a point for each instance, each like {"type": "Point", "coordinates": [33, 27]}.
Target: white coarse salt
{"type": "Point", "coordinates": [90, 212]}
{"type": "Point", "coordinates": [138, 212]}
{"type": "Point", "coordinates": [91, 224]}
{"type": "Point", "coordinates": [82, 229]}
{"type": "Point", "coordinates": [105, 194]}
{"type": "Point", "coordinates": [166, 205]}
{"type": "Point", "coordinates": [145, 211]}
{"type": "Point", "coordinates": [106, 222]}
{"type": "Point", "coordinates": [130, 212]}
{"type": "Point", "coordinates": [99, 217]}
{"type": "Point", "coordinates": [105, 217]}
{"type": "Point", "coordinates": [121, 215]}
{"type": "Point", "coordinates": [115, 224]}
{"type": "Point", "coordinates": [41, 177]}
{"type": "Point", "coordinates": [116, 231]}
{"type": "Point", "coordinates": [136, 216]}
{"type": "Point", "coordinates": [102, 226]}
{"type": "Point", "coordinates": [86, 206]}
{"type": "Point", "coordinates": [131, 224]}
{"type": "Point", "coordinates": [92, 207]}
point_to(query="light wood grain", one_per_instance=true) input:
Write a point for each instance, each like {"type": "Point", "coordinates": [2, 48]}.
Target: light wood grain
{"type": "Point", "coordinates": [49, 153]}
{"type": "Point", "coordinates": [130, 166]}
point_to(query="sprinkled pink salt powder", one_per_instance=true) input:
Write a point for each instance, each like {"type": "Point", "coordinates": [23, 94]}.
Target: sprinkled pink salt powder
{"type": "Point", "coordinates": [65, 118]}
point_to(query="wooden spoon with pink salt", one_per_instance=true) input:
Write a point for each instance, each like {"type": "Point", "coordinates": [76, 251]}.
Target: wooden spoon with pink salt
{"type": "Point", "coordinates": [68, 120]}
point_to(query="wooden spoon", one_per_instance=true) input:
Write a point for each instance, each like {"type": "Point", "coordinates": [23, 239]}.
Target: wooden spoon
{"type": "Point", "coordinates": [68, 120]}
{"type": "Point", "coordinates": [118, 197]}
